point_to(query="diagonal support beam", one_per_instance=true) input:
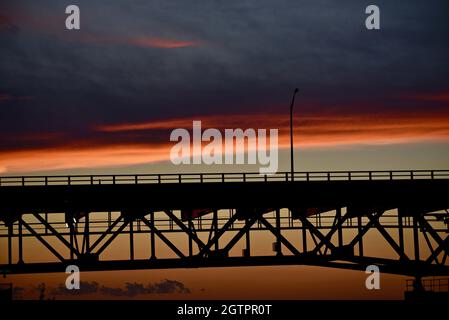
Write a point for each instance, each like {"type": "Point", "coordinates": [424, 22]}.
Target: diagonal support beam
{"type": "Point", "coordinates": [364, 230]}
{"type": "Point", "coordinates": [162, 237]}
{"type": "Point", "coordinates": [56, 233]}
{"type": "Point", "coordinates": [387, 236]}
{"type": "Point", "coordinates": [217, 236]}
{"type": "Point", "coordinates": [214, 225]}
{"type": "Point", "coordinates": [315, 242]}
{"type": "Point", "coordinates": [319, 235]}
{"type": "Point", "coordinates": [111, 238]}
{"type": "Point", "coordinates": [429, 244]}
{"type": "Point", "coordinates": [338, 223]}
{"type": "Point", "coordinates": [185, 229]}
{"type": "Point", "coordinates": [108, 231]}
{"type": "Point", "coordinates": [279, 236]}
{"type": "Point", "coordinates": [42, 240]}
{"type": "Point", "coordinates": [239, 234]}
{"type": "Point", "coordinates": [442, 244]}
{"type": "Point", "coordinates": [73, 231]}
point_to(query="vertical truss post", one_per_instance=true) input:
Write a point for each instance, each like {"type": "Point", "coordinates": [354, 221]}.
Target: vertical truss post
{"type": "Point", "coordinates": [304, 237]}
{"type": "Point", "coordinates": [190, 238]}
{"type": "Point", "coordinates": [359, 228]}
{"type": "Point", "coordinates": [87, 232]}
{"type": "Point", "coordinates": [20, 241]}
{"type": "Point", "coordinates": [152, 238]}
{"type": "Point", "coordinates": [278, 228]}
{"type": "Point", "coordinates": [416, 238]}
{"type": "Point", "coordinates": [216, 229]}
{"type": "Point", "coordinates": [46, 220]}
{"type": "Point", "coordinates": [340, 228]}
{"type": "Point", "coordinates": [401, 233]}
{"type": "Point", "coordinates": [248, 245]}
{"type": "Point", "coordinates": [131, 240]}
{"type": "Point", "coordinates": [10, 232]}
{"type": "Point", "coordinates": [71, 238]}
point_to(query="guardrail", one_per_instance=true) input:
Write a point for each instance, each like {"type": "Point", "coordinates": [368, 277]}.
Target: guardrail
{"type": "Point", "coordinates": [434, 285]}
{"type": "Point", "coordinates": [221, 177]}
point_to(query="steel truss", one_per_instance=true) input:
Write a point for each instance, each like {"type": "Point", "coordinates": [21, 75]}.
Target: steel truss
{"type": "Point", "coordinates": [333, 238]}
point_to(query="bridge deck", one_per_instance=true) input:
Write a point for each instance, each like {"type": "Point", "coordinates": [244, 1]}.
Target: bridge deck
{"type": "Point", "coordinates": [414, 191]}
{"type": "Point", "coordinates": [360, 200]}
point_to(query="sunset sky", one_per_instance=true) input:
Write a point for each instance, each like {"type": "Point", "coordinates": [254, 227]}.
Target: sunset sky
{"type": "Point", "coordinates": [104, 99]}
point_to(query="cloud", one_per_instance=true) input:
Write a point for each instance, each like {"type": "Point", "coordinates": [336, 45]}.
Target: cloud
{"type": "Point", "coordinates": [168, 286]}
{"type": "Point", "coordinates": [6, 25]}
{"type": "Point", "coordinates": [439, 97]}
{"type": "Point", "coordinates": [85, 288]}
{"type": "Point", "coordinates": [162, 43]}
{"type": "Point", "coordinates": [112, 103]}
{"type": "Point", "coordinates": [142, 41]}
{"type": "Point", "coordinates": [8, 97]}
{"type": "Point", "coordinates": [133, 289]}
{"type": "Point", "coordinates": [93, 157]}
{"type": "Point", "coordinates": [165, 286]}
{"type": "Point", "coordinates": [315, 129]}
{"type": "Point", "coordinates": [125, 144]}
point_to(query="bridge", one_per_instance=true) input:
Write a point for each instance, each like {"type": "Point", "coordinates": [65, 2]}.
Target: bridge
{"type": "Point", "coordinates": [210, 220]}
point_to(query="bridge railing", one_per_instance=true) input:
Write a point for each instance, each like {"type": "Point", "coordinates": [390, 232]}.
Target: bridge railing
{"type": "Point", "coordinates": [432, 284]}
{"type": "Point", "coordinates": [221, 177]}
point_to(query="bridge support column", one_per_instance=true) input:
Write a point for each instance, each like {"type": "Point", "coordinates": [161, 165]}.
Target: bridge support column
{"type": "Point", "coordinates": [10, 233]}
{"type": "Point", "coordinates": [401, 233]}
{"type": "Point", "coordinates": [131, 240]}
{"type": "Point", "coordinates": [359, 228]}
{"type": "Point", "coordinates": [190, 238]}
{"type": "Point", "coordinates": [340, 229]}
{"type": "Point", "coordinates": [152, 238]}
{"type": "Point", "coordinates": [20, 261]}
{"type": "Point", "coordinates": [216, 229]}
{"type": "Point", "coordinates": [86, 232]}
{"type": "Point", "coordinates": [248, 245]}
{"type": "Point", "coordinates": [71, 239]}
{"type": "Point", "coordinates": [278, 228]}
{"type": "Point", "coordinates": [416, 238]}
{"type": "Point", "coordinates": [304, 237]}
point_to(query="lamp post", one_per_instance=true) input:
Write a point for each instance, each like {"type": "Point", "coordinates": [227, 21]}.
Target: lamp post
{"type": "Point", "coordinates": [292, 164]}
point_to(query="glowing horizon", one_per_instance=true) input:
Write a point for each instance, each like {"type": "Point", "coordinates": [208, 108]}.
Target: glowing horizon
{"type": "Point", "coordinates": [313, 131]}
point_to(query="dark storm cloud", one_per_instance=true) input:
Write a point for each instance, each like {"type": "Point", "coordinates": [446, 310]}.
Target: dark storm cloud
{"type": "Point", "coordinates": [6, 25]}
{"type": "Point", "coordinates": [246, 58]}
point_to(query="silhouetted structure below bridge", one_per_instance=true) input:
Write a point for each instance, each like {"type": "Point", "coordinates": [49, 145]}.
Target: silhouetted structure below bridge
{"type": "Point", "coordinates": [320, 218]}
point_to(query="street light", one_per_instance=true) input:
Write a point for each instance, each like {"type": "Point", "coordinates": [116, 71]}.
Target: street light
{"type": "Point", "coordinates": [292, 164]}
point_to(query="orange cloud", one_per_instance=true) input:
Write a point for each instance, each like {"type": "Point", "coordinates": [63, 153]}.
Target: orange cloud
{"type": "Point", "coordinates": [58, 159]}
{"type": "Point", "coordinates": [437, 97]}
{"type": "Point", "coordinates": [311, 131]}
{"type": "Point", "coordinates": [144, 41]}
{"type": "Point", "coordinates": [162, 124]}
{"type": "Point", "coordinates": [161, 43]}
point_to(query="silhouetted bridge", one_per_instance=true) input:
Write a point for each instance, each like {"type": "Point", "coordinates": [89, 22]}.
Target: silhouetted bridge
{"type": "Point", "coordinates": [319, 218]}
